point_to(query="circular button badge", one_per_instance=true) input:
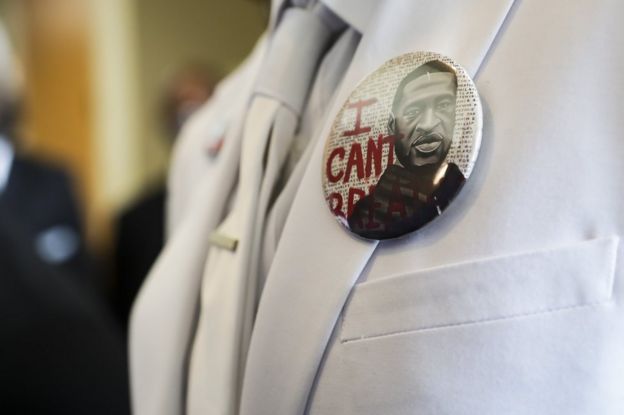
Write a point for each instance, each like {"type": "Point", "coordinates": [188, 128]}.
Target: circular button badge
{"type": "Point", "coordinates": [402, 146]}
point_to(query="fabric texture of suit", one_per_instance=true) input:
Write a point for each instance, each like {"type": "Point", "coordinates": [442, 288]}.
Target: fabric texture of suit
{"type": "Point", "coordinates": [492, 308]}
{"type": "Point", "coordinates": [352, 334]}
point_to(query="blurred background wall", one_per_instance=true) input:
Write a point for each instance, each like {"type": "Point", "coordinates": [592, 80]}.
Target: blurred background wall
{"type": "Point", "coordinates": [94, 73]}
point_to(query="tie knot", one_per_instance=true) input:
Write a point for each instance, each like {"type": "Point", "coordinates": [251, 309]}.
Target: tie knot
{"type": "Point", "coordinates": [295, 49]}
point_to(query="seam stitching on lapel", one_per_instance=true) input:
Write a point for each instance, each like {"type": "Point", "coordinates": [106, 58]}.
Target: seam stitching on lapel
{"type": "Point", "coordinates": [495, 38]}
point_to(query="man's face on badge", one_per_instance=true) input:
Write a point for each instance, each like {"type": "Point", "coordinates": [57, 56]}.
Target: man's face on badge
{"type": "Point", "coordinates": [424, 119]}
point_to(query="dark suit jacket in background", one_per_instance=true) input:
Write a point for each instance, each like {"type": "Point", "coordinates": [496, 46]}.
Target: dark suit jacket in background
{"type": "Point", "coordinates": [140, 238]}
{"type": "Point", "coordinates": [40, 197]}
{"type": "Point", "coordinates": [60, 352]}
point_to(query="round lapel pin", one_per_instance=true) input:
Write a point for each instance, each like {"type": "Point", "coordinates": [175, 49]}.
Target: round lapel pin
{"type": "Point", "coordinates": [402, 146]}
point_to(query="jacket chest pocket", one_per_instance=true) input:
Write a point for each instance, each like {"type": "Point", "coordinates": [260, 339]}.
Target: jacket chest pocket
{"type": "Point", "coordinates": [509, 287]}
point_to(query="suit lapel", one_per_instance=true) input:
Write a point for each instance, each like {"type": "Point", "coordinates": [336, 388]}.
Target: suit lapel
{"type": "Point", "coordinates": [277, 7]}
{"type": "Point", "coordinates": [317, 262]}
{"type": "Point", "coordinates": [164, 313]}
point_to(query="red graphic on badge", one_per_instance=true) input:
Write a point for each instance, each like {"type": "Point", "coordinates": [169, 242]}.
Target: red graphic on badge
{"type": "Point", "coordinates": [402, 146]}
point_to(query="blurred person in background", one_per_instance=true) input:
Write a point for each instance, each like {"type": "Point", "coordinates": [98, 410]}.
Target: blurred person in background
{"type": "Point", "coordinates": [140, 229]}
{"type": "Point", "coordinates": [38, 194]}
{"type": "Point", "coordinates": [60, 352]}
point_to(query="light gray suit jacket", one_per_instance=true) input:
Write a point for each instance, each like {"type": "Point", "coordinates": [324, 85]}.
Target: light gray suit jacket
{"type": "Point", "coordinates": [509, 303]}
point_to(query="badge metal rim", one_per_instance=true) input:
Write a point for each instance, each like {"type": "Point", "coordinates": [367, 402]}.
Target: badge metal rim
{"type": "Point", "coordinates": [476, 138]}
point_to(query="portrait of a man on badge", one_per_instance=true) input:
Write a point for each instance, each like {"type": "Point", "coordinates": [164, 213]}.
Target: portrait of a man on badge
{"type": "Point", "coordinates": [413, 193]}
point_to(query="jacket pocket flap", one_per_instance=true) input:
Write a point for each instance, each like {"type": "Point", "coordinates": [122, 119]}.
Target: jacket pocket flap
{"type": "Point", "coordinates": [478, 291]}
